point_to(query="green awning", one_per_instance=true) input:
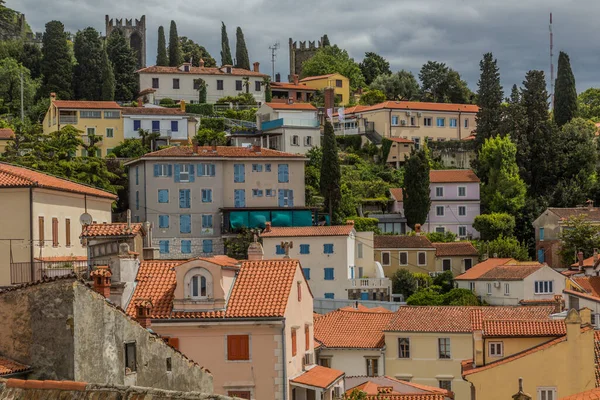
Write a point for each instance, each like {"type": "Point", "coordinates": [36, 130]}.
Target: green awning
{"type": "Point", "coordinates": [258, 219]}
{"type": "Point", "coordinates": [281, 218]}
{"type": "Point", "coordinates": [302, 218]}
{"type": "Point", "coordinates": [238, 219]}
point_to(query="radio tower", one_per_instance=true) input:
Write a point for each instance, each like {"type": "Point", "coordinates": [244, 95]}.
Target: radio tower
{"type": "Point", "coordinates": [551, 66]}
{"type": "Point", "coordinates": [273, 49]}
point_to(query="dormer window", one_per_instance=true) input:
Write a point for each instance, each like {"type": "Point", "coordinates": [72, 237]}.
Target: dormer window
{"type": "Point", "coordinates": [228, 70]}
{"type": "Point", "coordinates": [198, 283]}
{"type": "Point", "coordinates": [198, 286]}
{"type": "Point", "coordinates": [186, 68]}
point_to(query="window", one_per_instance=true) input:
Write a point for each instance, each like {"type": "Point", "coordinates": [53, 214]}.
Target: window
{"type": "Point", "coordinates": [175, 83]}
{"type": "Point", "coordinates": [439, 191]}
{"type": "Point", "coordinates": [130, 361]}
{"type": "Point", "coordinates": [91, 131]}
{"type": "Point", "coordinates": [453, 122]}
{"type": "Point", "coordinates": [185, 172]}
{"type": "Point", "coordinates": [462, 191]}
{"type": "Point", "coordinates": [468, 263]}
{"type": "Point", "coordinates": [186, 247]}
{"type": "Point", "coordinates": [446, 264]}
{"type": "Point", "coordinates": [422, 258]}
{"type": "Point", "coordinates": [283, 173]}
{"type": "Point", "coordinates": [267, 167]}
{"type": "Point", "coordinates": [495, 349]}
{"type": "Point", "coordinates": [466, 122]}
{"type": "Point", "coordinates": [359, 250]}
{"type": "Point", "coordinates": [306, 337]}
{"type": "Point", "coordinates": [239, 173]}
{"type": "Point", "coordinates": [295, 140]}
{"type": "Point", "coordinates": [328, 248]}
{"type": "Point", "coordinates": [385, 258]}
{"type": "Point", "coordinates": [325, 362]}
{"type": "Point", "coordinates": [507, 289]}
{"type": "Point", "coordinates": [269, 193]}
{"type": "Point", "coordinates": [440, 122]}
{"type": "Point", "coordinates": [41, 230]}
{"type": "Point", "coordinates": [329, 274]}
{"type": "Point", "coordinates": [546, 393]}
{"type": "Point", "coordinates": [439, 211]}
{"type": "Point", "coordinates": [112, 114]}
{"type": "Point", "coordinates": [541, 234]}
{"type": "Point", "coordinates": [338, 83]}
{"type": "Point", "coordinates": [163, 170]}
{"type": "Point", "coordinates": [184, 198]}
{"type": "Point", "coordinates": [308, 141]}
{"type": "Point", "coordinates": [90, 114]}
{"type": "Point", "coordinates": [306, 273]}
{"type": "Point", "coordinates": [445, 384]}
{"type": "Point", "coordinates": [238, 85]}
{"type": "Point", "coordinates": [219, 84]}
{"type": "Point", "coordinates": [137, 200]}
{"type": "Point", "coordinates": [240, 394]}
{"type": "Point", "coordinates": [472, 286]}
{"type": "Point", "coordinates": [257, 167]}
{"type": "Point", "coordinates": [462, 231]}
{"type": "Point", "coordinates": [329, 296]}
{"type": "Point", "coordinates": [110, 132]}
{"type": "Point", "coordinates": [294, 349]}
{"type": "Point", "coordinates": [185, 223]}
{"type": "Point", "coordinates": [239, 198]}
{"type": "Point", "coordinates": [207, 246]}
{"type": "Point", "coordinates": [163, 195]}
{"type": "Point", "coordinates": [257, 193]}
{"type": "Point", "coordinates": [403, 348]}
{"type": "Point", "coordinates": [403, 257]}
{"type": "Point", "coordinates": [206, 195]}
{"type": "Point", "coordinates": [137, 175]}
{"type": "Point", "coordinates": [412, 121]}
{"type": "Point", "coordinates": [489, 288]}
{"type": "Point", "coordinates": [54, 232]}
{"type": "Point", "coordinates": [68, 232]}
{"type": "Point", "coordinates": [169, 364]}
{"type": "Point", "coordinates": [207, 221]}
{"type": "Point", "coordinates": [440, 229]}
{"type": "Point", "coordinates": [544, 287]}
{"type": "Point", "coordinates": [137, 124]}
{"type": "Point", "coordinates": [155, 126]}
{"type": "Point", "coordinates": [163, 246]}
{"type": "Point", "coordinates": [279, 249]}
{"type": "Point", "coordinates": [257, 86]}
{"type": "Point", "coordinates": [238, 347]}
{"type": "Point", "coordinates": [174, 126]}
{"type": "Point", "coordinates": [462, 211]}
{"type": "Point", "coordinates": [427, 121]}
{"type": "Point", "coordinates": [305, 249]}
{"type": "Point", "coordinates": [286, 198]}
{"type": "Point", "coordinates": [417, 142]}
{"type": "Point", "coordinates": [198, 286]}
{"type": "Point", "coordinates": [154, 83]}
{"type": "Point", "coordinates": [444, 348]}
{"type": "Point", "coordinates": [163, 221]}
{"type": "Point", "coordinates": [372, 369]}
{"type": "Point", "coordinates": [394, 120]}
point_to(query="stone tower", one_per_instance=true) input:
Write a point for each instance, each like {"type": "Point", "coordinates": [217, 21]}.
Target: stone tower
{"type": "Point", "coordinates": [135, 33]}
{"type": "Point", "coordinates": [300, 53]}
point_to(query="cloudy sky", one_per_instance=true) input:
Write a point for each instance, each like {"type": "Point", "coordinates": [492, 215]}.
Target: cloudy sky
{"type": "Point", "coordinates": [406, 32]}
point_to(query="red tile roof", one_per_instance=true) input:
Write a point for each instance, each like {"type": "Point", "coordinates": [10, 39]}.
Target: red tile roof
{"type": "Point", "coordinates": [348, 111]}
{"type": "Point", "coordinates": [424, 106]}
{"type": "Point", "coordinates": [374, 391]}
{"type": "Point", "coordinates": [152, 111]}
{"type": "Point", "coordinates": [592, 394]}
{"type": "Point", "coordinates": [588, 262]}
{"type": "Point", "coordinates": [352, 328]}
{"type": "Point", "coordinates": [402, 242]}
{"type": "Point", "coordinates": [320, 377]}
{"type": "Point", "coordinates": [262, 288]}
{"type": "Point", "coordinates": [400, 140]}
{"type": "Point", "coordinates": [588, 214]}
{"type": "Point", "coordinates": [591, 284]}
{"type": "Point", "coordinates": [528, 328]}
{"type": "Point", "coordinates": [97, 105]}
{"type": "Point", "coordinates": [334, 230]}
{"type": "Point", "coordinates": [452, 176]}
{"type": "Point", "coordinates": [221, 151]}
{"type": "Point", "coordinates": [6, 133]}
{"type": "Point", "coordinates": [114, 229]}
{"type": "Point", "coordinates": [290, 86]}
{"type": "Point", "coordinates": [8, 367]}
{"type": "Point", "coordinates": [62, 258]}
{"type": "Point", "coordinates": [15, 176]}
{"type": "Point", "coordinates": [155, 69]}
{"type": "Point", "coordinates": [314, 78]}
{"type": "Point", "coordinates": [491, 269]}
{"type": "Point", "coordinates": [582, 295]}
{"type": "Point", "coordinates": [361, 308]}
{"type": "Point", "coordinates": [293, 106]}
{"type": "Point", "coordinates": [510, 272]}
{"type": "Point", "coordinates": [385, 387]}
{"type": "Point", "coordinates": [455, 249]}
{"type": "Point", "coordinates": [397, 194]}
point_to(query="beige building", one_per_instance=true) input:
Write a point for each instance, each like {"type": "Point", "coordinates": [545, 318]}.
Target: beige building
{"type": "Point", "coordinates": [338, 82]}
{"type": "Point", "coordinates": [457, 257]}
{"type": "Point", "coordinates": [414, 253]}
{"type": "Point", "coordinates": [42, 222]}
{"type": "Point", "coordinates": [399, 151]}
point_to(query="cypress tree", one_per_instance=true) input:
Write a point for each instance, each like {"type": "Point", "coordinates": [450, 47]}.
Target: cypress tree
{"type": "Point", "coordinates": [57, 68]}
{"type": "Point", "coordinates": [87, 73]}
{"type": "Point", "coordinates": [175, 54]}
{"type": "Point", "coordinates": [162, 59]}
{"type": "Point", "coordinates": [124, 65]}
{"type": "Point", "coordinates": [490, 97]}
{"type": "Point", "coordinates": [415, 190]}
{"type": "Point", "coordinates": [268, 93]}
{"type": "Point", "coordinates": [565, 94]}
{"type": "Point", "coordinates": [241, 52]}
{"type": "Point", "coordinates": [330, 172]}
{"type": "Point", "coordinates": [108, 78]}
{"type": "Point", "coordinates": [225, 50]}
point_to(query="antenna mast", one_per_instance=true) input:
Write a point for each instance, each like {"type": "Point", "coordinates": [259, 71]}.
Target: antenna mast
{"type": "Point", "coordinates": [551, 65]}
{"type": "Point", "coordinates": [273, 49]}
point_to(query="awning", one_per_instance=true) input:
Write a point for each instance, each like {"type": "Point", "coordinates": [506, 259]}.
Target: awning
{"type": "Point", "coordinates": [319, 377]}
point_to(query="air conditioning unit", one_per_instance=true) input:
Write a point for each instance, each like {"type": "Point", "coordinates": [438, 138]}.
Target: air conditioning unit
{"type": "Point", "coordinates": [496, 284]}
{"type": "Point", "coordinates": [419, 114]}
{"type": "Point", "coordinates": [408, 113]}
{"type": "Point", "coordinates": [403, 122]}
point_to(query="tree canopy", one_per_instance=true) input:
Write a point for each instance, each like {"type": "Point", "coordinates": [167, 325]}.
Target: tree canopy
{"type": "Point", "coordinates": [415, 191]}
{"type": "Point", "coordinates": [330, 172]}
{"type": "Point", "coordinates": [162, 59]}
{"type": "Point", "coordinates": [124, 65]}
{"type": "Point", "coordinates": [565, 93]}
{"type": "Point", "coordinates": [193, 52]}
{"type": "Point", "coordinates": [175, 54]}
{"type": "Point", "coordinates": [332, 59]}
{"type": "Point", "coordinates": [56, 66]}
{"type": "Point", "coordinates": [489, 100]}
{"type": "Point", "coordinates": [10, 87]}
{"type": "Point", "coordinates": [399, 86]}
{"type": "Point", "coordinates": [241, 52]}
{"type": "Point", "coordinates": [374, 65]}
{"type": "Point", "coordinates": [441, 84]}
{"type": "Point", "coordinates": [87, 72]}
{"type": "Point", "coordinates": [225, 49]}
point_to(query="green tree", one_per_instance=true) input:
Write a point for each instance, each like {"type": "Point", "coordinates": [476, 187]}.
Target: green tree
{"type": "Point", "coordinates": [504, 190]}
{"type": "Point", "coordinates": [193, 53]}
{"type": "Point", "coordinates": [425, 297]}
{"type": "Point", "coordinates": [404, 283]}
{"type": "Point", "coordinates": [588, 104]}
{"type": "Point", "coordinates": [206, 137]}
{"type": "Point", "coordinates": [415, 191]}
{"type": "Point", "coordinates": [374, 65]}
{"type": "Point", "coordinates": [10, 87]}
{"type": "Point", "coordinates": [201, 85]}
{"type": "Point", "coordinates": [107, 90]}
{"type": "Point", "coordinates": [130, 148]}
{"type": "Point", "coordinates": [268, 93]}
{"type": "Point", "coordinates": [241, 52]}
{"type": "Point", "coordinates": [63, 144]}
{"type": "Point", "coordinates": [57, 66]}
{"type": "Point", "coordinates": [489, 96]}
{"type": "Point", "coordinates": [356, 395]}
{"type": "Point", "coordinates": [372, 97]}
{"type": "Point", "coordinates": [237, 247]}
{"type": "Point", "coordinates": [330, 172]}
{"type": "Point", "coordinates": [460, 297]}
{"type": "Point", "coordinates": [332, 59]}
{"type": "Point", "coordinates": [325, 41]}
{"type": "Point", "coordinates": [87, 72]}
{"type": "Point", "coordinates": [578, 234]}
{"type": "Point", "coordinates": [124, 64]}
{"type": "Point", "coordinates": [225, 49]}
{"type": "Point", "coordinates": [175, 54]}
{"type": "Point", "coordinates": [399, 86]}
{"type": "Point", "coordinates": [162, 58]}
{"type": "Point", "coordinates": [565, 94]}
{"type": "Point", "coordinates": [91, 145]}
{"type": "Point", "coordinates": [438, 237]}
{"type": "Point", "coordinates": [441, 84]}
{"type": "Point", "coordinates": [490, 226]}
{"type": "Point", "coordinates": [503, 247]}
{"type": "Point", "coordinates": [31, 58]}
{"type": "Point", "coordinates": [445, 281]}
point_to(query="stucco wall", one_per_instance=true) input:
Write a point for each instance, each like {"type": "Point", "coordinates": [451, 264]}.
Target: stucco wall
{"type": "Point", "coordinates": [456, 262]}
{"type": "Point", "coordinates": [15, 203]}
{"type": "Point", "coordinates": [412, 266]}
{"type": "Point", "coordinates": [165, 126]}
{"type": "Point", "coordinates": [353, 361]}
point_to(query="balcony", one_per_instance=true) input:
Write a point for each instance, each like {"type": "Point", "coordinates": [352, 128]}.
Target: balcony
{"type": "Point", "coordinates": [289, 122]}
{"type": "Point", "coordinates": [67, 119]}
{"type": "Point", "coordinates": [26, 272]}
{"type": "Point", "coordinates": [370, 283]}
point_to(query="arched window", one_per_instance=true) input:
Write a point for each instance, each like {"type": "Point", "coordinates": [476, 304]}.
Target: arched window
{"type": "Point", "coordinates": [199, 284]}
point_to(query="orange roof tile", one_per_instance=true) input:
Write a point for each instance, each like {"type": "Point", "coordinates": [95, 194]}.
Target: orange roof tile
{"type": "Point", "coordinates": [393, 389]}
{"type": "Point", "coordinates": [452, 176]}
{"type": "Point", "coordinates": [352, 328]}
{"type": "Point", "coordinates": [8, 367]}
{"type": "Point", "coordinates": [528, 328]}
{"type": "Point", "coordinates": [592, 394]}
{"type": "Point", "coordinates": [290, 86]}
{"type": "Point", "coordinates": [114, 229]}
{"type": "Point", "coordinates": [16, 176]}
{"type": "Point", "coordinates": [320, 377]}
{"type": "Point", "coordinates": [6, 133]}
{"type": "Point", "coordinates": [361, 308]}
{"type": "Point", "coordinates": [374, 391]}
{"type": "Point", "coordinates": [293, 106]}
{"type": "Point", "coordinates": [314, 78]}
{"type": "Point", "coordinates": [582, 295]}
{"type": "Point", "coordinates": [152, 111]}
{"type": "Point", "coordinates": [97, 105]}
{"type": "Point", "coordinates": [155, 69]}
{"type": "Point", "coordinates": [62, 258]}
{"type": "Point", "coordinates": [588, 262]}
{"type": "Point", "coordinates": [221, 151]}
{"type": "Point", "coordinates": [510, 272]}
{"type": "Point", "coordinates": [470, 137]}
{"type": "Point", "coordinates": [597, 356]}
{"type": "Point", "coordinates": [262, 288]}
{"type": "Point", "coordinates": [476, 271]}
{"type": "Point", "coordinates": [397, 194]}
{"type": "Point", "coordinates": [424, 106]}
{"type": "Point", "coordinates": [334, 230]}
{"type": "Point", "coordinates": [591, 284]}
{"type": "Point", "coordinates": [401, 242]}
{"type": "Point", "coordinates": [455, 249]}
{"type": "Point", "coordinates": [400, 140]}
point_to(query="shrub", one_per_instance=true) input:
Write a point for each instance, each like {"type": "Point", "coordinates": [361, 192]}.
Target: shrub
{"type": "Point", "coordinates": [216, 124]}
{"type": "Point", "coordinates": [202, 109]}
{"type": "Point", "coordinates": [207, 137]}
{"type": "Point", "coordinates": [507, 247]}
{"type": "Point", "coordinates": [166, 102]}
{"type": "Point", "coordinates": [490, 226]}
{"type": "Point", "coordinates": [437, 237]}
{"type": "Point", "coordinates": [404, 283]}
{"type": "Point", "coordinates": [362, 224]}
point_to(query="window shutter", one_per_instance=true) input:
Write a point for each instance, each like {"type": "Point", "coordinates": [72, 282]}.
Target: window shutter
{"type": "Point", "coordinates": [177, 172]}
{"type": "Point", "coordinates": [211, 169]}
{"type": "Point", "coordinates": [291, 198]}
{"type": "Point", "coordinates": [170, 170]}
{"type": "Point", "coordinates": [192, 175]}
{"type": "Point", "coordinates": [156, 170]}
{"type": "Point", "coordinates": [294, 349]}
{"type": "Point", "coordinates": [55, 232]}
{"type": "Point", "coordinates": [174, 126]}
{"type": "Point", "coordinates": [68, 232]}
{"type": "Point", "coordinates": [280, 195]}
{"type": "Point", "coordinates": [306, 337]}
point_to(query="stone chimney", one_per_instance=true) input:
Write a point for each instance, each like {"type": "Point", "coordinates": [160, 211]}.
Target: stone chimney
{"type": "Point", "coordinates": [214, 148]}
{"type": "Point", "coordinates": [256, 67]}
{"type": "Point", "coordinates": [101, 277]}
{"type": "Point", "coordinates": [478, 348]}
{"type": "Point", "coordinates": [590, 204]}
{"type": "Point", "coordinates": [586, 316]}
{"type": "Point", "coordinates": [267, 227]}
{"type": "Point", "coordinates": [255, 251]}
{"type": "Point", "coordinates": [521, 395]}
{"type": "Point", "coordinates": [559, 303]}
{"type": "Point", "coordinates": [580, 259]}
{"type": "Point", "coordinates": [140, 102]}
{"type": "Point", "coordinates": [195, 146]}
{"type": "Point", "coordinates": [329, 94]}
{"type": "Point", "coordinates": [595, 256]}
{"type": "Point", "coordinates": [52, 97]}
{"type": "Point", "coordinates": [296, 79]}
{"type": "Point", "coordinates": [573, 322]}
{"type": "Point", "coordinates": [182, 105]}
{"type": "Point", "coordinates": [418, 229]}
{"type": "Point", "coordinates": [143, 312]}
{"type": "Point", "coordinates": [201, 63]}
{"type": "Point", "coordinates": [256, 148]}
{"type": "Point", "coordinates": [350, 222]}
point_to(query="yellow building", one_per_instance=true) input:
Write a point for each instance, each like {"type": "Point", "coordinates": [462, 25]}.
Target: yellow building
{"type": "Point", "coordinates": [414, 253]}
{"type": "Point", "coordinates": [338, 82]}
{"type": "Point", "coordinates": [6, 134]}
{"type": "Point", "coordinates": [101, 118]}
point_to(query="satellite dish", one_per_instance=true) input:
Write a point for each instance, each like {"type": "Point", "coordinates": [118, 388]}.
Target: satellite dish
{"type": "Point", "coordinates": [85, 219]}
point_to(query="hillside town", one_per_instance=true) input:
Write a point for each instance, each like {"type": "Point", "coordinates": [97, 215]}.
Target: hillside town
{"type": "Point", "coordinates": [190, 227]}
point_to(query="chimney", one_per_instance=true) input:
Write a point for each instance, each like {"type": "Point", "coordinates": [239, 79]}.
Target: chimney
{"type": "Point", "coordinates": [128, 219]}
{"type": "Point", "coordinates": [255, 250]}
{"type": "Point", "coordinates": [143, 312]}
{"type": "Point", "coordinates": [256, 67]}
{"type": "Point", "coordinates": [290, 101]}
{"type": "Point", "coordinates": [295, 77]}
{"type": "Point", "coordinates": [590, 204]}
{"type": "Point", "coordinates": [267, 227]}
{"type": "Point", "coordinates": [140, 102]}
{"type": "Point", "coordinates": [52, 97]}
{"type": "Point", "coordinates": [101, 277]}
{"type": "Point", "coordinates": [278, 77]}
{"type": "Point", "coordinates": [478, 348]}
{"type": "Point", "coordinates": [559, 303]}
{"type": "Point", "coordinates": [580, 259]}
{"type": "Point", "coordinates": [418, 229]}
{"type": "Point", "coordinates": [201, 63]}
{"type": "Point", "coordinates": [329, 98]}
{"type": "Point", "coordinates": [573, 322]}
{"type": "Point", "coordinates": [595, 256]}
{"type": "Point", "coordinates": [182, 105]}
{"type": "Point", "coordinates": [214, 148]}
{"type": "Point", "coordinates": [195, 146]}
{"type": "Point", "coordinates": [350, 222]}
{"type": "Point", "coordinates": [256, 148]}
{"type": "Point", "coordinates": [521, 395]}
{"type": "Point", "coordinates": [586, 316]}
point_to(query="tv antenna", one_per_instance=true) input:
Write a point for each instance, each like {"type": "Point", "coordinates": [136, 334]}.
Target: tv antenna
{"type": "Point", "coordinates": [551, 64]}
{"type": "Point", "coordinates": [273, 49]}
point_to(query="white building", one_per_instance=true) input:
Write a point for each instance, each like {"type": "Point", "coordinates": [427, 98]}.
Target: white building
{"type": "Point", "coordinates": [180, 83]}
{"type": "Point", "coordinates": [505, 281]}
{"type": "Point", "coordinates": [338, 262]}
{"type": "Point", "coordinates": [173, 124]}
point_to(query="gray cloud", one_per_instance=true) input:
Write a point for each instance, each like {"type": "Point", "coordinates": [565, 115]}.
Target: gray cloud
{"type": "Point", "coordinates": [406, 32]}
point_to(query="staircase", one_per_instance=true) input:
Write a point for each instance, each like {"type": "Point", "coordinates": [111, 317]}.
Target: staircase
{"type": "Point", "coordinates": [374, 137]}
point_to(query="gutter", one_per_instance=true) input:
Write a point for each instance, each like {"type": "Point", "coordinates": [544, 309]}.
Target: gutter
{"type": "Point", "coordinates": [145, 197]}
{"type": "Point", "coordinates": [285, 387]}
{"type": "Point", "coordinates": [31, 255]}
{"type": "Point", "coordinates": [218, 320]}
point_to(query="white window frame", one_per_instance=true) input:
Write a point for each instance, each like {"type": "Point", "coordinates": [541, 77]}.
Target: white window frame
{"type": "Point", "coordinates": [359, 250]}
{"type": "Point", "coordinates": [437, 211]}
{"type": "Point", "coordinates": [472, 286]}
{"type": "Point", "coordinates": [181, 172]}
{"type": "Point", "coordinates": [446, 259]}
{"type": "Point", "coordinates": [458, 191]}
{"type": "Point", "coordinates": [397, 119]}
{"type": "Point", "coordinates": [307, 141]}
{"type": "Point", "coordinates": [441, 190]}
{"type": "Point", "coordinates": [428, 119]}
{"type": "Point", "coordinates": [400, 258]}
{"type": "Point", "coordinates": [112, 130]}
{"type": "Point", "coordinates": [465, 228]}
{"type": "Point", "coordinates": [438, 119]}
{"type": "Point", "coordinates": [466, 124]}
{"type": "Point", "coordinates": [163, 171]}
{"type": "Point", "coordinates": [489, 288]}
{"type": "Point", "coordinates": [389, 258]}
{"type": "Point", "coordinates": [493, 348]}
{"type": "Point", "coordinates": [540, 284]}
{"type": "Point", "coordinates": [295, 140]}
{"type": "Point", "coordinates": [453, 120]}
{"type": "Point", "coordinates": [507, 289]}
{"type": "Point", "coordinates": [463, 208]}
{"type": "Point", "coordinates": [542, 393]}
{"type": "Point", "coordinates": [440, 229]}
{"type": "Point", "coordinates": [418, 258]}
{"type": "Point", "coordinates": [449, 348]}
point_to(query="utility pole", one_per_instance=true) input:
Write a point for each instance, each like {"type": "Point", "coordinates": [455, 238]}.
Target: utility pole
{"type": "Point", "coordinates": [22, 112]}
{"type": "Point", "coordinates": [273, 49]}
{"type": "Point", "coordinates": [551, 65]}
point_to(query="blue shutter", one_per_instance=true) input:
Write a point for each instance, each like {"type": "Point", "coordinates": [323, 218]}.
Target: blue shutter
{"type": "Point", "coordinates": [184, 198]}
{"type": "Point", "coordinates": [279, 249]}
{"type": "Point", "coordinates": [163, 221]}
{"type": "Point", "coordinates": [155, 126]}
{"type": "Point", "coordinates": [192, 175]}
{"type": "Point", "coordinates": [280, 197]}
{"type": "Point", "coordinates": [170, 170]}
{"type": "Point", "coordinates": [137, 175]}
{"type": "Point", "coordinates": [207, 221]}
{"type": "Point", "coordinates": [328, 248]}
{"type": "Point", "coordinates": [164, 246]}
{"type": "Point", "coordinates": [137, 200]}
{"type": "Point", "coordinates": [364, 296]}
{"type": "Point", "coordinates": [200, 169]}
{"type": "Point", "coordinates": [211, 169]}
{"type": "Point", "coordinates": [186, 246]}
{"type": "Point", "coordinates": [306, 273]}
{"type": "Point", "coordinates": [541, 233]}
{"type": "Point", "coordinates": [207, 246]}
{"type": "Point", "coordinates": [243, 197]}
{"type": "Point", "coordinates": [185, 223]}
{"type": "Point", "coordinates": [329, 295]}
{"type": "Point", "coordinates": [541, 255]}
{"type": "Point", "coordinates": [282, 173]}
{"type": "Point", "coordinates": [329, 274]}
{"type": "Point", "coordinates": [210, 195]}
{"type": "Point", "coordinates": [174, 126]}
{"type": "Point", "coordinates": [163, 195]}
{"type": "Point", "coordinates": [156, 170]}
{"type": "Point", "coordinates": [177, 172]}
{"type": "Point", "coordinates": [137, 124]}
{"type": "Point", "coordinates": [290, 198]}
{"type": "Point", "coordinates": [304, 249]}
{"type": "Point", "coordinates": [239, 173]}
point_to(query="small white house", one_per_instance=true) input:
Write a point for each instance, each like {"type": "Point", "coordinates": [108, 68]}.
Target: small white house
{"type": "Point", "coordinates": [173, 124]}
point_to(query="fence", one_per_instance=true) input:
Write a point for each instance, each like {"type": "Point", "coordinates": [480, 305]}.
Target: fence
{"type": "Point", "coordinates": [323, 306]}
{"type": "Point", "coordinates": [26, 272]}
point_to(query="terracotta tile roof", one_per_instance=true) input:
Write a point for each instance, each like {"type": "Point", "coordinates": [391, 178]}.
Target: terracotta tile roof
{"type": "Point", "coordinates": [293, 106]}
{"type": "Point", "coordinates": [482, 268]}
{"type": "Point", "coordinates": [528, 328]}
{"type": "Point", "coordinates": [114, 229]}
{"type": "Point", "coordinates": [400, 140]}
{"type": "Point", "coordinates": [362, 308]}
{"type": "Point", "coordinates": [424, 106]}
{"type": "Point", "coordinates": [62, 258]}
{"type": "Point", "coordinates": [588, 262]}
{"type": "Point", "coordinates": [222, 151]}
{"type": "Point", "coordinates": [223, 261]}
{"type": "Point", "coordinates": [543, 302]}
{"type": "Point", "coordinates": [591, 284]}
{"type": "Point", "coordinates": [262, 288]}
{"type": "Point", "coordinates": [155, 69]}
{"type": "Point", "coordinates": [592, 394]}
{"type": "Point", "coordinates": [15, 176]}
{"type": "Point", "coordinates": [320, 377]}
{"type": "Point", "coordinates": [352, 328]}
{"type": "Point", "coordinates": [316, 344]}
{"type": "Point", "coordinates": [36, 385]}
{"type": "Point", "coordinates": [145, 92]}
{"type": "Point", "coordinates": [397, 194]}
{"type": "Point", "coordinates": [334, 230]}
{"type": "Point", "coordinates": [570, 272]}
{"type": "Point", "coordinates": [455, 249]}
{"type": "Point", "coordinates": [402, 242]}
{"type": "Point", "coordinates": [470, 137]}
{"type": "Point", "coordinates": [97, 105]}
{"type": "Point", "coordinates": [6, 133]}
{"type": "Point", "coordinates": [589, 214]}
{"type": "Point", "coordinates": [314, 78]}
{"type": "Point", "coordinates": [290, 86]}
{"type": "Point", "coordinates": [8, 367]}
{"type": "Point", "coordinates": [597, 356]}
{"type": "Point", "coordinates": [375, 391]}
{"type": "Point", "coordinates": [348, 111]}
{"type": "Point", "coordinates": [452, 176]}
{"type": "Point", "coordinates": [460, 319]}
{"type": "Point", "coordinates": [152, 111]}
{"type": "Point", "coordinates": [393, 389]}
{"type": "Point", "coordinates": [582, 295]}
{"type": "Point", "coordinates": [510, 272]}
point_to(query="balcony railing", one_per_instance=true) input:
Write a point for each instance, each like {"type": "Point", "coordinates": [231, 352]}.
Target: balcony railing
{"type": "Point", "coordinates": [67, 119]}
{"type": "Point", "coordinates": [26, 272]}
{"type": "Point", "coordinates": [364, 283]}
{"type": "Point", "coordinates": [299, 122]}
